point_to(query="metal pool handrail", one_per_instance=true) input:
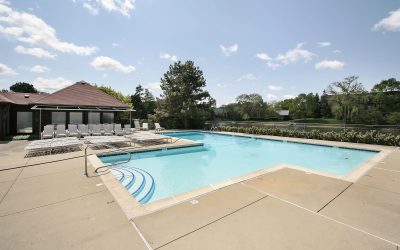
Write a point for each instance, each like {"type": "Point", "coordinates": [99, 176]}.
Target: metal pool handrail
{"type": "Point", "coordinates": [107, 145]}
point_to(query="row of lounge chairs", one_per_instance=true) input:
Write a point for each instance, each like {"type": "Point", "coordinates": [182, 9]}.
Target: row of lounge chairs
{"type": "Point", "coordinates": [40, 147]}
{"type": "Point", "coordinates": [82, 130]}
{"type": "Point", "coordinates": [68, 144]}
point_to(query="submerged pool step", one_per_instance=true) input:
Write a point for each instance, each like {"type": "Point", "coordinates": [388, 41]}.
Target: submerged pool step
{"type": "Point", "coordinates": [138, 182]}
{"type": "Point", "coordinates": [148, 189]}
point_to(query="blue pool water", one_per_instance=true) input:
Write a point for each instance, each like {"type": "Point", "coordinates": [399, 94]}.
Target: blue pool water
{"type": "Point", "coordinates": [154, 175]}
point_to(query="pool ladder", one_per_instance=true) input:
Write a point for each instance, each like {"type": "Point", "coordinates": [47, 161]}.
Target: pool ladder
{"type": "Point", "coordinates": [212, 129]}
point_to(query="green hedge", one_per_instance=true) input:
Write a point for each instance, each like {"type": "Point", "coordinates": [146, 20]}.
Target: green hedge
{"type": "Point", "coordinates": [369, 137]}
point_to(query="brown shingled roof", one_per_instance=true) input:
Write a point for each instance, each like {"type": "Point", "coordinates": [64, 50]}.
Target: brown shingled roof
{"type": "Point", "coordinates": [20, 98]}
{"type": "Point", "coordinates": [4, 99]}
{"type": "Point", "coordinates": [81, 94]}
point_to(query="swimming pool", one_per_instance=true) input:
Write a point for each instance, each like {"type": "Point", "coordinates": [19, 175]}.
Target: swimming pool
{"type": "Point", "coordinates": [155, 175]}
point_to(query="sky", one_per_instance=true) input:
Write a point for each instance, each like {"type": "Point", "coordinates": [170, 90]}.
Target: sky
{"type": "Point", "coordinates": [275, 48]}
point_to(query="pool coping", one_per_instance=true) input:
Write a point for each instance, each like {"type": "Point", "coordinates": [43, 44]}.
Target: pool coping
{"type": "Point", "coordinates": [133, 209]}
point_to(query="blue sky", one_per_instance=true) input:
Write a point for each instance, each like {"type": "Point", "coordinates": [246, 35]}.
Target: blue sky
{"type": "Point", "coordinates": [275, 48]}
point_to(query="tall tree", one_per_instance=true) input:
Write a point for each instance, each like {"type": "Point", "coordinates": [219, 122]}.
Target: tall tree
{"type": "Point", "coordinates": [149, 102]}
{"type": "Point", "coordinates": [325, 111]}
{"type": "Point", "coordinates": [122, 117]}
{"type": "Point", "coordinates": [137, 103]}
{"type": "Point", "coordinates": [23, 87]}
{"type": "Point", "coordinates": [116, 94]}
{"type": "Point", "coordinates": [184, 102]}
{"type": "Point", "coordinates": [250, 106]}
{"type": "Point", "coordinates": [388, 85]}
{"type": "Point", "coordinates": [345, 96]}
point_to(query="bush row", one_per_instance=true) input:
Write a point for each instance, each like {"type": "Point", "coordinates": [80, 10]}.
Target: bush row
{"type": "Point", "coordinates": [369, 137]}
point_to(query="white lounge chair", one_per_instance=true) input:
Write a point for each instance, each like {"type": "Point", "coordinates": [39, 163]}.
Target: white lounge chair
{"type": "Point", "coordinates": [73, 130]}
{"type": "Point", "coordinates": [60, 131]}
{"type": "Point", "coordinates": [145, 126]}
{"type": "Point", "coordinates": [83, 130]}
{"type": "Point", "coordinates": [96, 130]}
{"type": "Point", "coordinates": [127, 129]}
{"type": "Point", "coordinates": [106, 140]}
{"type": "Point", "coordinates": [137, 125]}
{"type": "Point", "coordinates": [48, 132]}
{"type": "Point", "coordinates": [108, 129]}
{"type": "Point", "coordinates": [158, 127]}
{"type": "Point", "coordinates": [118, 129]}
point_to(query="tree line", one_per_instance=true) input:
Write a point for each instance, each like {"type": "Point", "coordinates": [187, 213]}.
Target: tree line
{"type": "Point", "coordinates": [184, 103]}
{"type": "Point", "coordinates": [347, 101]}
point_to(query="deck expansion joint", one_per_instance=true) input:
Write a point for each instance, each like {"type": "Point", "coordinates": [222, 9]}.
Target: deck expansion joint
{"type": "Point", "coordinates": [390, 170]}
{"type": "Point", "coordinates": [326, 217]}
{"type": "Point", "coordinates": [212, 222]}
{"type": "Point", "coordinates": [329, 202]}
{"type": "Point", "coordinates": [12, 184]}
{"type": "Point", "coordinates": [140, 234]}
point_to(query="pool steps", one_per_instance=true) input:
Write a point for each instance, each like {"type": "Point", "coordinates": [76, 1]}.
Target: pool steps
{"type": "Point", "coordinates": [137, 181]}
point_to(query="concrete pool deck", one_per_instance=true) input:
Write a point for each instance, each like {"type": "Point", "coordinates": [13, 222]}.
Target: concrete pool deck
{"type": "Point", "coordinates": [54, 206]}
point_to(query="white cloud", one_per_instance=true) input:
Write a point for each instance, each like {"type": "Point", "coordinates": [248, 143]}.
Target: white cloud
{"type": "Point", "coordinates": [169, 57]}
{"type": "Point", "coordinates": [275, 87]}
{"type": "Point", "coordinates": [291, 56]}
{"type": "Point", "coordinates": [115, 44]}
{"type": "Point", "coordinates": [390, 23]}
{"type": "Point", "coordinates": [30, 29]}
{"type": "Point", "coordinates": [273, 65]}
{"type": "Point", "coordinates": [121, 6]}
{"type": "Point", "coordinates": [247, 77]}
{"type": "Point", "coordinates": [333, 64]}
{"type": "Point", "coordinates": [154, 87]}
{"type": "Point", "coordinates": [105, 63]}
{"type": "Point", "coordinates": [38, 52]}
{"type": "Point", "coordinates": [50, 85]}
{"type": "Point", "coordinates": [92, 10]}
{"type": "Point", "coordinates": [263, 56]}
{"type": "Point", "coordinates": [336, 51]}
{"type": "Point", "coordinates": [39, 69]}
{"type": "Point", "coordinates": [5, 70]}
{"type": "Point", "coordinates": [295, 55]}
{"type": "Point", "coordinates": [227, 51]}
{"type": "Point", "coordinates": [289, 96]}
{"type": "Point", "coordinates": [324, 44]}
{"type": "Point", "coordinates": [271, 97]}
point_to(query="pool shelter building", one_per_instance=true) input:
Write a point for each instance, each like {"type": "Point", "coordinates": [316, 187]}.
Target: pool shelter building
{"type": "Point", "coordinates": [79, 103]}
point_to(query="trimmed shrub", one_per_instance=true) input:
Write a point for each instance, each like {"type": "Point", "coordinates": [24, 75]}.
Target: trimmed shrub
{"type": "Point", "coordinates": [368, 137]}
